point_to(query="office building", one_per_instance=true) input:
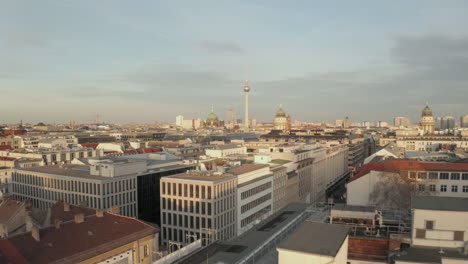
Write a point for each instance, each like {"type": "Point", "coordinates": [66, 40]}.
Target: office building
{"type": "Point", "coordinates": [464, 121]}
{"type": "Point", "coordinates": [99, 186]}
{"type": "Point", "coordinates": [401, 121]}
{"type": "Point", "coordinates": [198, 205]}
{"type": "Point", "coordinates": [254, 194]}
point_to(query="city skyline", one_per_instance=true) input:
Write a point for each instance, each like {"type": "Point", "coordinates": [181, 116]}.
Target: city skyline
{"type": "Point", "coordinates": [162, 59]}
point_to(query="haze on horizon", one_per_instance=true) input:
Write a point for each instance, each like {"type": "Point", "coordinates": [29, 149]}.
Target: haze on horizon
{"type": "Point", "coordinates": [152, 60]}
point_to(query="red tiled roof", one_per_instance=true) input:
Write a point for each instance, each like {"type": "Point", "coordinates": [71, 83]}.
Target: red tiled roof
{"type": "Point", "coordinates": [8, 208]}
{"type": "Point", "coordinates": [5, 147]}
{"type": "Point", "coordinates": [410, 165]}
{"type": "Point", "coordinates": [72, 242]}
{"type": "Point", "coordinates": [91, 145]}
{"type": "Point", "coordinates": [8, 158]}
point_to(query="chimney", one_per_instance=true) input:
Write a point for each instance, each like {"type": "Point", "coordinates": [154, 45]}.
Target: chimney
{"type": "Point", "coordinates": [35, 233]}
{"type": "Point", "coordinates": [115, 209]}
{"type": "Point", "coordinates": [100, 213]}
{"type": "Point", "coordinates": [79, 218]}
{"type": "Point", "coordinates": [57, 223]}
{"type": "Point", "coordinates": [66, 207]}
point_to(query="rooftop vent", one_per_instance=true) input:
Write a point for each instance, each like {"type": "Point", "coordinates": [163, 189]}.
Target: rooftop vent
{"type": "Point", "coordinates": [79, 218]}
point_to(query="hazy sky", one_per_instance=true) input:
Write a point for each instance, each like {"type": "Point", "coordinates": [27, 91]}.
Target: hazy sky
{"type": "Point", "coordinates": [146, 61]}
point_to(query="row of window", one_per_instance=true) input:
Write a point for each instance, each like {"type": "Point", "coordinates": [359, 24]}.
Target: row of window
{"type": "Point", "coordinates": [73, 198]}
{"type": "Point", "coordinates": [439, 175]}
{"type": "Point", "coordinates": [255, 203]}
{"type": "Point", "coordinates": [187, 190]}
{"type": "Point", "coordinates": [249, 219]}
{"type": "Point", "coordinates": [75, 186]}
{"type": "Point", "coordinates": [187, 237]}
{"type": "Point", "coordinates": [255, 190]}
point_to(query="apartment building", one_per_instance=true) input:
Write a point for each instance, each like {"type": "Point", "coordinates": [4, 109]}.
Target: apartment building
{"type": "Point", "coordinates": [254, 194]}
{"type": "Point", "coordinates": [431, 143]}
{"type": "Point", "coordinates": [439, 231]}
{"type": "Point", "coordinates": [221, 151]}
{"type": "Point", "coordinates": [436, 178]}
{"type": "Point", "coordinates": [198, 205]}
{"type": "Point", "coordinates": [77, 234]}
{"type": "Point", "coordinates": [99, 186]}
{"type": "Point", "coordinates": [316, 166]}
{"type": "Point", "coordinates": [9, 140]}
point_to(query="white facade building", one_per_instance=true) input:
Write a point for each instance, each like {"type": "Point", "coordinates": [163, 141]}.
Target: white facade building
{"type": "Point", "coordinates": [254, 194]}
{"type": "Point", "coordinates": [102, 186]}
{"type": "Point", "coordinates": [221, 151]}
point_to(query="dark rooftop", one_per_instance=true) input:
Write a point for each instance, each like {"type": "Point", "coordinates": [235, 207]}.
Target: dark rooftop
{"type": "Point", "coordinates": [440, 203]}
{"type": "Point", "coordinates": [430, 255]}
{"type": "Point", "coordinates": [317, 238]}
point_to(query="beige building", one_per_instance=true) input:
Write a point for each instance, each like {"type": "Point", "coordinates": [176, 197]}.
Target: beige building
{"type": "Point", "coordinates": [401, 121]}
{"type": "Point", "coordinates": [10, 140]}
{"type": "Point", "coordinates": [198, 205]}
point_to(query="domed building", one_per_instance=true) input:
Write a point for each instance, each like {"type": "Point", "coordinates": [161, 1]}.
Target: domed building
{"type": "Point", "coordinates": [427, 123]}
{"type": "Point", "coordinates": [281, 120]}
{"type": "Point", "coordinates": [212, 119]}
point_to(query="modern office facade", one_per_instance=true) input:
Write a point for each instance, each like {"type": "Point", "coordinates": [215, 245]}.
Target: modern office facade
{"type": "Point", "coordinates": [100, 186]}
{"type": "Point", "coordinates": [198, 205]}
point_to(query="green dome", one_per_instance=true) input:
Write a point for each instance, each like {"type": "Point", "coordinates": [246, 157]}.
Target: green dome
{"type": "Point", "coordinates": [280, 112]}
{"type": "Point", "coordinates": [427, 111]}
{"type": "Point", "coordinates": [212, 115]}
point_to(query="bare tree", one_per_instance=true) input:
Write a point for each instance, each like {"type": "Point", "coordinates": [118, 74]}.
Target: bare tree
{"type": "Point", "coordinates": [395, 189]}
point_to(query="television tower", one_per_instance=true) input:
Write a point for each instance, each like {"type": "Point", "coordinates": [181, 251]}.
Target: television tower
{"type": "Point", "coordinates": [246, 91]}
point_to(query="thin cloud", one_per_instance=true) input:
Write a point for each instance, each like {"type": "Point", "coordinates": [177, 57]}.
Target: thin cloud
{"type": "Point", "coordinates": [222, 47]}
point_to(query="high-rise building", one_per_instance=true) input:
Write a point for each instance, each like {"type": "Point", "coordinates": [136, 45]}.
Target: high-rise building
{"type": "Point", "coordinates": [464, 121]}
{"type": "Point", "coordinates": [346, 123]}
{"type": "Point", "coordinates": [401, 121]}
{"type": "Point", "coordinates": [231, 117]}
{"type": "Point", "coordinates": [246, 92]}
{"type": "Point", "coordinates": [448, 122]}
{"type": "Point", "coordinates": [179, 120]}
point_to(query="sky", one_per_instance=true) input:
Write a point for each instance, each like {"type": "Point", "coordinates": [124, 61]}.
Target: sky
{"type": "Point", "coordinates": [149, 60]}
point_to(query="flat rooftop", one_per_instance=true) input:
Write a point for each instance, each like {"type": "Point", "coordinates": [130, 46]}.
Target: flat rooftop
{"type": "Point", "coordinates": [317, 238]}
{"type": "Point", "coordinates": [431, 255]}
{"type": "Point", "coordinates": [440, 203]}
{"type": "Point", "coordinates": [80, 171]}
{"type": "Point", "coordinates": [247, 168]}
{"type": "Point", "coordinates": [200, 176]}
{"type": "Point", "coordinates": [280, 161]}
{"type": "Point", "coordinates": [238, 248]}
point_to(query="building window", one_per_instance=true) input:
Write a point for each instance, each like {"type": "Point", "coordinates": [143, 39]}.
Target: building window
{"type": "Point", "coordinates": [422, 175]}
{"type": "Point", "coordinates": [432, 188]}
{"type": "Point", "coordinates": [465, 176]}
{"type": "Point", "coordinates": [429, 225]}
{"type": "Point", "coordinates": [454, 188]}
{"type": "Point", "coordinates": [465, 188]}
{"type": "Point", "coordinates": [433, 175]}
{"type": "Point", "coordinates": [444, 176]}
{"type": "Point", "coordinates": [421, 187]}
{"type": "Point", "coordinates": [443, 188]}
{"type": "Point", "coordinates": [455, 176]}
{"type": "Point", "coordinates": [146, 252]}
